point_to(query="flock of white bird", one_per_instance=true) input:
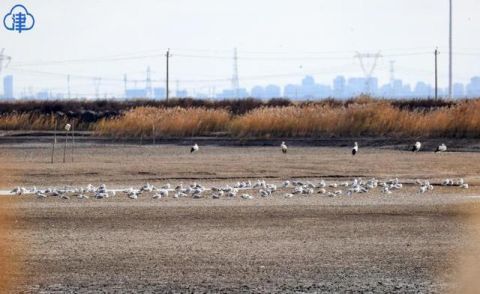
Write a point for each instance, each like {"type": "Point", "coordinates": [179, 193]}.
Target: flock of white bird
{"type": "Point", "coordinates": [245, 190]}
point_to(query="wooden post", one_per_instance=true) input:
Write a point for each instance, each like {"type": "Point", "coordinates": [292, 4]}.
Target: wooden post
{"type": "Point", "coordinates": [65, 146]}
{"type": "Point", "coordinates": [153, 133]}
{"type": "Point", "coordinates": [54, 139]}
{"type": "Point", "coordinates": [73, 138]}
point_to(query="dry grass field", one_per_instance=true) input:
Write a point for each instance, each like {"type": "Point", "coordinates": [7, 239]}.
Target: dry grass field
{"type": "Point", "coordinates": [121, 165]}
{"type": "Point", "coordinates": [402, 242]}
{"type": "Point", "coordinates": [10, 249]}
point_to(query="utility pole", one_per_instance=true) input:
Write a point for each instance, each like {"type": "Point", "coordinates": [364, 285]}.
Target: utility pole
{"type": "Point", "coordinates": [167, 88]}
{"type": "Point", "coordinates": [148, 84]}
{"type": "Point", "coordinates": [436, 73]}
{"type": "Point", "coordinates": [450, 53]}
{"type": "Point", "coordinates": [235, 79]}
{"type": "Point", "coordinates": [125, 85]}
{"type": "Point", "coordinates": [68, 86]}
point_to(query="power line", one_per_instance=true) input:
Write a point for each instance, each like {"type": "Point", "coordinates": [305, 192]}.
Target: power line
{"type": "Point", "coordinates": [203, 56]}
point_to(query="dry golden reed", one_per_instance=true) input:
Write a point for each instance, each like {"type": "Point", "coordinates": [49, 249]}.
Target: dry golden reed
{"type": "Point", "coordinates": [363, 118]}
{"type": "Point", "coordinates": [28, 122]}
{"type": "Point", "coordinates": [151, 121]}
{"type": "Point", "coordinates": [367, 119]}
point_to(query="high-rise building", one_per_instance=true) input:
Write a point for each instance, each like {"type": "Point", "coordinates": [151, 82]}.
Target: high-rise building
{"type": "Point", "coordinates": [291, 91]}
{"type": "Point", "coordinates": [423, 90]}
{"type": "Point", "coordinates": [8, 87]}
{"type": "Point", "coordinates": [257, 92]}
{"type": "Point", "coordinates": [458, 90]}
{"type": "Point", "coordinates": [159, 93]}
{"type": "Point", "coordinates": [339, 87]}
{"type": "Point", "coordinates": [473, 88]}
{"type": "Point", "coordinates": [272, 91]}
{"type": "Point", "coordinates": [136, 93]}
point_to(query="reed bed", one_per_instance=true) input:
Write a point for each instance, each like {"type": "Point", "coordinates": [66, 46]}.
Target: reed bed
{"type": "Point", "coordinates": [31, 122]}
{"type": "Point", "coordinates": [365, 118]}
{"type": "Point", "coordinates": [358, 117]}
{"type": "Point", "coordinates": [154, 122]}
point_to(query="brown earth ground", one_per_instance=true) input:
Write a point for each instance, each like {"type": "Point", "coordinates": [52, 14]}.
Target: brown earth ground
{"type": "Point", "coordinates": [403, 242]}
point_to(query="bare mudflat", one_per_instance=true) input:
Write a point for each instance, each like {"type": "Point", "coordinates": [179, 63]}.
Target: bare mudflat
{"type": "Point", "coordinates": [374, 242]}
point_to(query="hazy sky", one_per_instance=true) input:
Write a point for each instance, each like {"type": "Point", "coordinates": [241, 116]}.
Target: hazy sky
{"type": "Point", "coordinates": [278, 41]}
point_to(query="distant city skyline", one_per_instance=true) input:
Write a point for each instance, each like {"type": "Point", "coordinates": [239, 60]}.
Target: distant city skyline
{"type": "Point", "coordinates": [341, 87]}
{"type": "Point", "coordinates": [278, 42]}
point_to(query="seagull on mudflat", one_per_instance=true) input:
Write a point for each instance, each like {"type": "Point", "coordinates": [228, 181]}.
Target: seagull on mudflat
{"type": "Point", "coordinates": [355, 148]}
{"type": "Point", "coordinates": [416, 147]}
{"type": "Point", "coordinates": [194, 148]}
{"type": "Point", "coordinates": [441, 148]}
{"type": "Point", "coordinates": [284, 147]}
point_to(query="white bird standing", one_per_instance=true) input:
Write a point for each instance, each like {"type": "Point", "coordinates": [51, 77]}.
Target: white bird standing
{"type": "Point", "coordinates": [355, 148]}
{"type": "Point", "coordinates": [416, 147]}
{"type": "Point", "coordinates": [441, 148]}
{"type": "Point", "coordinates": [284, 147]}
{"type": "Point", "coordinates": [194, 148]}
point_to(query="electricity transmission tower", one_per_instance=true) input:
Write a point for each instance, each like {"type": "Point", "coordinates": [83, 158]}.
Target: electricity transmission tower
{"type": "Point", "coordinates": [235, 80]}
{"type": "Point", "coordinates": [96, 82]}
{"type": "Point", "coordinates": [392, 77]}
{"type": "Point", "coordinates": [368, 70]}
{"type": "Point", "coordinates": [148, 83]}
{"type": "Point", "coordinates": [4, 60]}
